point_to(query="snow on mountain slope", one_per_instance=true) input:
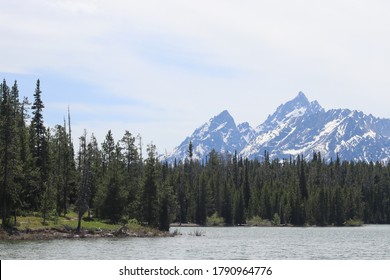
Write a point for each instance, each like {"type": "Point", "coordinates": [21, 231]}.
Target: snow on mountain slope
{"type": "Point", "coordinates": [220, 133]}
{"type": "Point", "coordinates": [298, 127]}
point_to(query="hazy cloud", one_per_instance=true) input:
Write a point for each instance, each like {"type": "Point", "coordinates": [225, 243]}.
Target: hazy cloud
{"type": "Point", "coordinates": [192, 59]}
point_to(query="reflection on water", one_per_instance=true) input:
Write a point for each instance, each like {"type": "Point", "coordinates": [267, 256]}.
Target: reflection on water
{"type": "Point", "coordinates": [367, 242]}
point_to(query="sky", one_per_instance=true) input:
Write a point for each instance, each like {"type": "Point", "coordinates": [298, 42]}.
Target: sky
{"type": "Point", "coordinates": [163, 68]}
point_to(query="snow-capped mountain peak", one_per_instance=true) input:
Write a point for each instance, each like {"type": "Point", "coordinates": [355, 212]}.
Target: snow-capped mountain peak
{"type": "Point", "coordinates": [298, 127]}
{"type": "Point", "coordinates": [289, 111]}
{"type": "Point", "coordinates": [246, 131]}
{"type": "Point", "coordinates": [219, 133]}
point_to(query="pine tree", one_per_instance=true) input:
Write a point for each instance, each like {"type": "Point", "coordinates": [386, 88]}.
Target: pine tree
{"type": "Point", "coordinates": [47, 203]}
{"type": "Point", "coordinates": [8, 155]}
{"type": "Point", "coordinates": [167, 207]}
{"type": "Point", "coordinates": [69, 167]}
{"type": "Point", "coordinates": [190, 150]}
{"type": "Point", "coordinates": [24, 156]}
{"type": "Point", "coordinates": [227, 208]}
{"type": "Point", "coordinates": [202, 201]}
{"type": "Point", "coordinates": [85, 182]}
{"type": "Point", "coordinates": [58, 148]}
{"type": "Point", "coordinates": [112, 197]}
{"type": "Point", "coordinates": [149, 195]}
{"type": "Point", "coordinates": [108, 149]}
{"type": "Point", "coordinates": [38, 126]}
{"type": "Point", "coordinates": [39, 148]}
{"type": "Point", "coordinates": [247, 188]}
{"type": "Point", "coordinates": [132, 176]}
{"type": "Point", "coordinates": [302, 181]}
{"type": "Point", "coordinates": [339, 207]}
{"type": "Point", "coordinates": [95, 173]}
{"type": "Point", "coordinates": [180, 183]}
{"type": "Point", "coordinates": [239, 215]}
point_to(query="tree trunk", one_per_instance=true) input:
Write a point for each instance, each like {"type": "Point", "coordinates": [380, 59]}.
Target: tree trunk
{"type": "Point", "coordinates": [4, 212]}
{"type": "Point", "coordinates": [79, 221]}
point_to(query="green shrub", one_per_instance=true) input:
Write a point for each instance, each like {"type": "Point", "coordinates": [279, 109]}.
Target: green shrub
{"type": "Point", "coordinates": [215, 220]}
{"type": "Point", "coordinates": [257, 221]}
{"type": "Point", "coordinates": [354, 223]}
{"type": "Point", "coordinates": [133, 222]}
{"type": "Point", "coordinates": [276, 220]}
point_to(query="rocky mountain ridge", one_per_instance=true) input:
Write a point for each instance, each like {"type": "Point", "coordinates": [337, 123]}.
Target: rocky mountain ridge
{"type": "Point", "coordinates": [298, 127]}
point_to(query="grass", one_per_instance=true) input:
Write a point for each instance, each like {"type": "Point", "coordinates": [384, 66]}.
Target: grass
{"type": "Point", "coordinates": [31, 227]}
{"type": "Point", "coordinates": [35, 222]}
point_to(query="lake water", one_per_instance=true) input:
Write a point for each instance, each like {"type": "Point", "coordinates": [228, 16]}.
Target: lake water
{"type": "Point", "coordinates": [267, 243]}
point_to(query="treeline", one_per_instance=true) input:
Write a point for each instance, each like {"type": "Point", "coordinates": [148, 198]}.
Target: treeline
{"type": "Point", "coordinates": [40, 172]}
{"type": "Point", "coordinates": [293, 191]}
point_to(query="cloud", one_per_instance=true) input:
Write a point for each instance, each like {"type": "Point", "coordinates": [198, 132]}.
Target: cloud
{"type": "Point", "coordinates": [180, 62]}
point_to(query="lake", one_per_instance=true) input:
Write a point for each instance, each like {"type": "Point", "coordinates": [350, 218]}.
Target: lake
{"type": "Point", "coordinates": [266, 243]}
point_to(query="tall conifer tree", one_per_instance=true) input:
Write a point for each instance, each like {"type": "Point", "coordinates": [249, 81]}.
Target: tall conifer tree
{"type": "Point", "coordinates": [39, 146]}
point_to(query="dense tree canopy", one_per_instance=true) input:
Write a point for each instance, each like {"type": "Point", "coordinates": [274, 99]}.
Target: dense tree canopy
{"type": "Point", "coordinates": [39, 172]}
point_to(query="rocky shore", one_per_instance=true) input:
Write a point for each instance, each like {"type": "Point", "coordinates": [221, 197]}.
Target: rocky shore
{"type": "Point", "coordinates": [67, 233]}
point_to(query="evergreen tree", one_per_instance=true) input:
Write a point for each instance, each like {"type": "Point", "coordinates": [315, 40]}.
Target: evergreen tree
{"type": "Point", "coordinates": [167, 205]}
{"type": "Point", "coordinates": [247, 187]}
{"type": "Point", "coordinates": [227, 209]}
{"type": "Point", "coordinates": [69, 194]}
{"type": "Point", "coordinates": [339, 204]}
{"type": "Point", "coordinates": [190, 150]}
{"type": "Point", "coordinates": [94, 174]}
{"type": "Point", "coordinates": [149, 196]}
{"type": "Point", "coordinates": [132, 176]}
{"type": "Point", "coordinates": [108, 149]}
{"type": "Point", "coordinates": [113, 198]}
{"type": "Point", "coordinates": [9, 164]}
{"type": "Point", "coordinates": [180, 183]}
{"type": "Point", "coordinates": [302, 181]}
{"type": "Point", "coordinates": [85, 182]}
{"type": "Point", "coordinates": [48, 191]}
{"type": "Point", "coordinates": [24, 176]}
{"type": "Point", "coordinates": [203, 203]}
{"type": "Point", "coordinates": [239, 215]}
{"type": "Point", "coordinates": [39, 149]}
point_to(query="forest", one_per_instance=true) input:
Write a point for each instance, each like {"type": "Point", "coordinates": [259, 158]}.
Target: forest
{"type": "Point", "coordinates": [41, 172]}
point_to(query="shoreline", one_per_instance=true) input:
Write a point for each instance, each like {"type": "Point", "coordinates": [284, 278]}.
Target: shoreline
{"type": "Point", "coordinates": [176, 225]}
{"type": "Point", "coordinates": [55, 233]}
{"type": "Point", "coordinates": [121, 232]}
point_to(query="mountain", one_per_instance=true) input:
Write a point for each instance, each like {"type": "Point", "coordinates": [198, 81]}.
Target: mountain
{"type": "Point", "coordinates": [298, 127]}
{"type": "Point", "coordinates": [275, 133]}
{"type": "Point", "coordinates": [220, 133]}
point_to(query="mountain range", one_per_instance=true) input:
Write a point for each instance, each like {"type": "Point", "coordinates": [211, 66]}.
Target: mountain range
{"type": "Point", "coordinates": [298, 127]}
